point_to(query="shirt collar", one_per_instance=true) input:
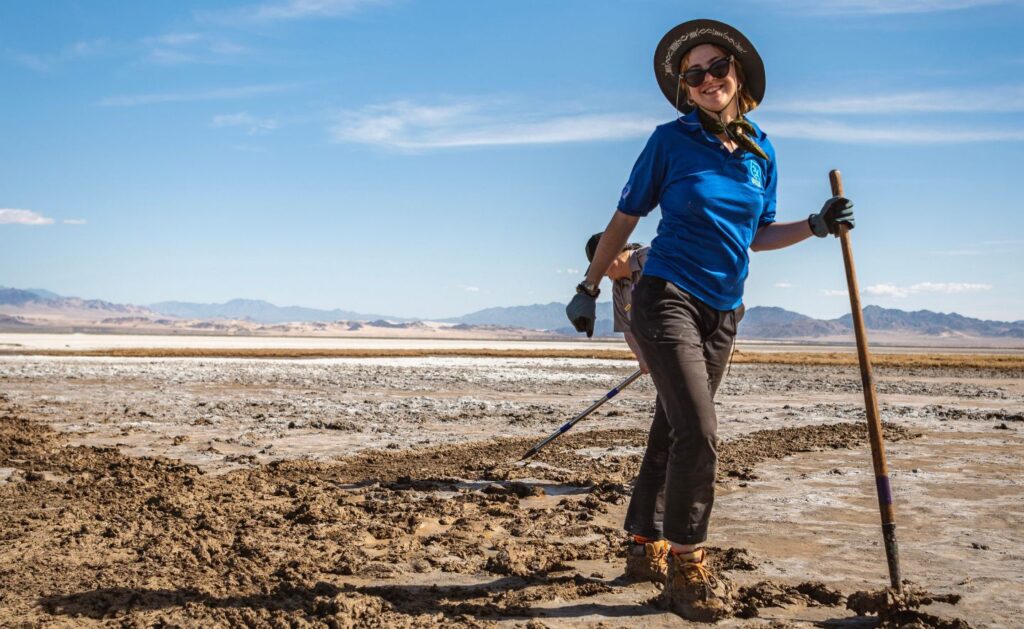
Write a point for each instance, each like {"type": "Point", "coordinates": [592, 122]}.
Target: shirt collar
{"type": "Point", "coordinates": [690, 122]}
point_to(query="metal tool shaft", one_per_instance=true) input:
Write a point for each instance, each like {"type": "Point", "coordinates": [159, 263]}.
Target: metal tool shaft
{"type": "Point", "coordinates": [593, 407]}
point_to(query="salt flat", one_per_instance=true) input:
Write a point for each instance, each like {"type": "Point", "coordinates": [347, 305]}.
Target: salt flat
{"type": "Point", "coordinates": [30, 341]}
{"type": "Point", "coordinates": [16, 341]}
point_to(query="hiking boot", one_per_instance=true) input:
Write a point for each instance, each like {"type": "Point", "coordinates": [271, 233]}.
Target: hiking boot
{"type": "Point", "coordinates": [692, 591]}
{"type": "Point", "coordinates": [647, 561]}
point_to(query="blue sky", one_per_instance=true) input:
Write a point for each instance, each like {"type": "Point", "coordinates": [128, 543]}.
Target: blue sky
{"type": "Point", "coordinates": [429, 159]}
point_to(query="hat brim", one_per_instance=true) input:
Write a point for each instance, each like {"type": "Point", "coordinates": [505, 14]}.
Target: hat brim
{"type": "Point", "coordinates": [670, 50]}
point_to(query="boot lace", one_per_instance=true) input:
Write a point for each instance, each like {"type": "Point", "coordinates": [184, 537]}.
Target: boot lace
{"type": "Point", "coordinates": [698, 575]}
{"type": "Point", "coordinates": [657, 551]}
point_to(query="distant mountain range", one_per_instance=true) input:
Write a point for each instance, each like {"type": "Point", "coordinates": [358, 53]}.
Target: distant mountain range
{"type": "Point", "coordinates": [768, 322]}
{"type": "Point", "coordinates": [777, 323]}
{"type": "Point", "coordinates": [260, 312]}
{"type": "Point", "coordinates": [933, 323]}
{"type": "Point", "coordinates": [17, 307]}
{"type": "Point", "coordinates": [550, 316]}
{"type": "Point", "coordinates": [45, 298]}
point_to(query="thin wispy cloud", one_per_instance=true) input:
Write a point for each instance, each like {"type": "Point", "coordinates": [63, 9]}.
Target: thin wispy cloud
{"type": "Point", "coordinates": [405, 125]}
{"type": "Point", "coordinates": [992, 99]}
{"type": "Point", "coordinates": [408, 126]}
{"type": "Point", "coordinates": [782, 285]}
{"type": "Point", "coordinates": [222, 93]}
{"type": "Point", "coordinates": [569, 271]}
{"type": "Point", "coordinates": [955, 288]}
{"type": "Point", "coordinates": [470, 289]}
{"type": "Point", "coordinates": [958, 252]}
{"type": "Point", "coordinates": [832, 131]}
{"type": "Point", "coordinates": [74, 221]}
{"type": "Point", "coordinates": [886, 7]}
{"type": "Point", "coordinates": [287, 10]}
{"type": "Point", "coordinates": [11, 216]}
{"type": "Point", "coordinates": [1002, 243]}
{"type": "Point", "coordinates": [982, 248]}
{"type": "Point", "coordinates": [189, 47]}
{"type": "Point", "coordinates": [252, 125]}
{"type": "Point", "coordinates": [251, 148]}
{"type": "Point", "coordinates": [49, 62]}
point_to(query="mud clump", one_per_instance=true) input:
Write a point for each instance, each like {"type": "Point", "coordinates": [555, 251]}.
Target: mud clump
{"type": "Point", "coordinates": [821, 593]}
{"type": "Point", "coordinates": [526, 561]}
{"type": "Point", "coordinates": [897, 610]}
{"type": "Point", "coordinates": [476, 606]}
{"type": "Point", "coordinates": [518, 489]}
{"type": "Point", "coordinates": [767, 594]}
{"type": "Point", "coordinates": [729, 559]}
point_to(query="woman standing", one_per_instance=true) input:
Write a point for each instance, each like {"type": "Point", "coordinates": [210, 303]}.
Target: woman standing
{"type": "Point", "coordinates": [713, 173]}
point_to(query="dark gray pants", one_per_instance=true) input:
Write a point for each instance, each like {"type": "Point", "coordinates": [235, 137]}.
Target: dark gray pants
{"type": "Point", "coordinates": [686, 344]}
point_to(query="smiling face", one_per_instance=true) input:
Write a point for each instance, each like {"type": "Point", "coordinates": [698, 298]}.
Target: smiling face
{"type": "Point", "coordinates": [713, 94]}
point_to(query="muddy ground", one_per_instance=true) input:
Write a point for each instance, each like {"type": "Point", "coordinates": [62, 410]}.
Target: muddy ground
{"type": "Point", "coordinates": [383, 492]}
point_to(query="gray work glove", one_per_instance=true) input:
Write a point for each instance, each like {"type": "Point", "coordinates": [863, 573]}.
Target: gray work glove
{"type": "Point", "coordinates": [836, 211]}
{"type": "Point", "coordinates": [582, 311]}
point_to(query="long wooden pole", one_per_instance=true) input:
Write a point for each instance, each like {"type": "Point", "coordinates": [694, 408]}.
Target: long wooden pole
{"type": "Point", "coordinates": [870, 402]}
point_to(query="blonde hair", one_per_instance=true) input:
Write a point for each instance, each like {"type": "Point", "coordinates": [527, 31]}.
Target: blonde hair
{"type": "Point", "coordinates": [744, 100]}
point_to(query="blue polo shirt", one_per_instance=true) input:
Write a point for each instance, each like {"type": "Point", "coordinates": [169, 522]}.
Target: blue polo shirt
{"type": "Point", "coordinates": [712, 204]}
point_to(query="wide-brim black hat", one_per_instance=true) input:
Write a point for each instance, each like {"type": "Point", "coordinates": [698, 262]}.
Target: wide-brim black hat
{"type": "Point", "coordinates": [591, 248]}
{"type": "Point", "coordinates": [669, 55]}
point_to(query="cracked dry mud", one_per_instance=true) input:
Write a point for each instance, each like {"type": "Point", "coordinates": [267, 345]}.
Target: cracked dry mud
{"type": "Point", "coordinates": [454, 532]}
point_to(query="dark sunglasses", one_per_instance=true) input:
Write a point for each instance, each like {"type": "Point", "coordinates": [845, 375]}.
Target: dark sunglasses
{"type": "Point", "coordinates": [718, 69]}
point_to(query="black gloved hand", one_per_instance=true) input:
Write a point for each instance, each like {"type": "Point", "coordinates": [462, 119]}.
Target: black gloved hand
{"type": "Point", "coordinates": [836, 211]}
{"type": "Point", "coordinates": [582, 311]}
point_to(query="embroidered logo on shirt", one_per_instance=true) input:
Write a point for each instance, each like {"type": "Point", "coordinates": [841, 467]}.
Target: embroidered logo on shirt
{"type": "Point", "coordinates": [625, 191]}
{"type": "Point", "coordinates": [756, 178]}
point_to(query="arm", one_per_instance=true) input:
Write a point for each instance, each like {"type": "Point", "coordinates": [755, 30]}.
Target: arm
{"type": "Point", "coordinates": [612, 242]}
{"type": "Point", "coordinates": [582, 310]}
{"type": "Point", "coordinates": [780, 235]}
{"type": "Point", "coordinates": [836, 211]}
{"type": "Point", "coordinates": [640, 195]}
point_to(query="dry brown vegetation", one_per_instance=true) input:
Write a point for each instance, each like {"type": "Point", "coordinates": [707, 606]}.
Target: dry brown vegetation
{"type": "Point", "coordinates": [1001, 362]}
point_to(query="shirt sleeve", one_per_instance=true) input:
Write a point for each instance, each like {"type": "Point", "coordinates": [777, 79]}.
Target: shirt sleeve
{"type": "Point", "coordinates": [622, 300]}
{"type": "Point", "coordinates": [638, 259]}
{"type": "Point", "coordinates": [642, 192]}
{"type": "Point", "coordinates": [623, 295]}
{"type": "Point", "coordinates": [771, 184]}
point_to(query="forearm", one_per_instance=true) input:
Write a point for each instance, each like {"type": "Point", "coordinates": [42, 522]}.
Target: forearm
{"type": "Point", "coordinates": [780, 235]}
{"type": "Point", "coordinates": [612, 242]}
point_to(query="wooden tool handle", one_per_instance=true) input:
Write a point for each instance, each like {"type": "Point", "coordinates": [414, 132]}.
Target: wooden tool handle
{"type": "Point", "coordinates": [882, 485]}
{"type": "Point", "coordinates": [836, 179]}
